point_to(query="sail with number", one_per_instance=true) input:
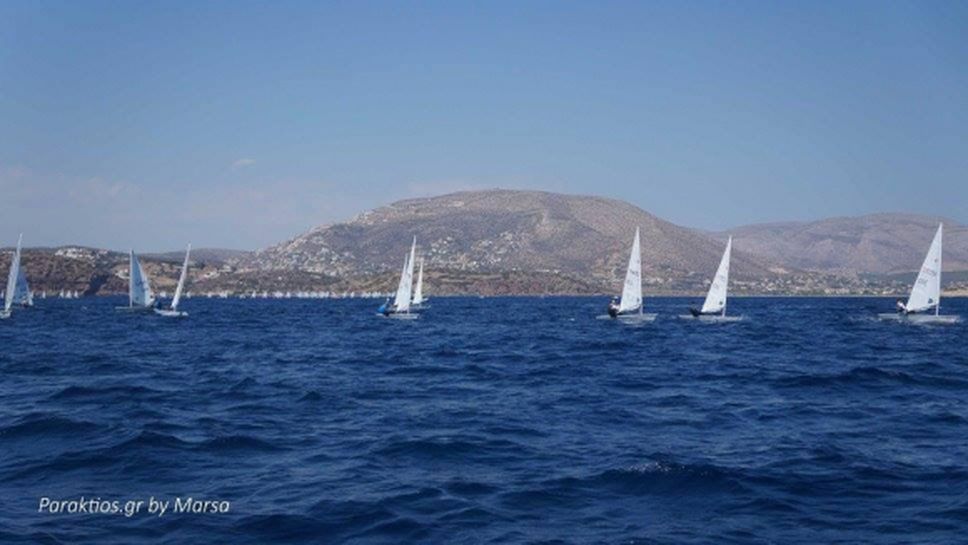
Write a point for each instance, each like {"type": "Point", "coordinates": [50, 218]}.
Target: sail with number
{"type": "Point", "coordinates": [716, 298]}
{"type": "Point", "coordinates": [926, 292]}
{"type": "Point", "coordinates": [181, 280]}
{"type": "Point", "coordinates": [401, 303]}
{"type": "Point", "coordinates": [418, 291]}
{"type": "Point", "coordinates": [139, 290]}
{"type": "Point", "coordinates": [632, 290]}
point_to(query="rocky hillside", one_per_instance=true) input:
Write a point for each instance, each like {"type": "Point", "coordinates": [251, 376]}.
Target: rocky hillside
{"type": "Point", "coordinates": [529, 242]}
{"type": "Point", "coordinates": [875, 244]}
{"type": "Point", "coordinates": [485, 232]}
{"type": "Point", "coordinates": [93, 271]}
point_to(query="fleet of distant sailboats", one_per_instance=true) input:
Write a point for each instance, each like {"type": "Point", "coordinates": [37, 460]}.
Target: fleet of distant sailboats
{"type": "Point", "coordinates": [923, 305]}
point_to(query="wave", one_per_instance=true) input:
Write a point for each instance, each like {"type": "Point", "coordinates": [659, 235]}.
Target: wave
{"type": "Point", "coordinates": [868, 376]}
{"type": "Point", "coordinates": [88, 392]}
{"type": "Point", "coordinates": [46, 426]}
{"type": "Point", "coordinates": [238, 443]}
{"type": "Point", "coordinates": [653, 478]}
{"type": "Point", "coordinates": [451, 448]}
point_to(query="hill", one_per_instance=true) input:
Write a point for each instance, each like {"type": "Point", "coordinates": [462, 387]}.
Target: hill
{"type": "Point", "coordinates": [880, 244]}
{"type": "Point", "coordinates": [531, 242]}
{"type": "Point", "coordinates": [483, 232]}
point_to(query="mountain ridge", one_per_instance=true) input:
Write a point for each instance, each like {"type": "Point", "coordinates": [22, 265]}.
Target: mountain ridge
{"type": "Point", "coordinates": [534, 242]}
{"type": "Point", "coordinates": [883, 243]}
{"type": "Point", "coordinates": [505, 230]}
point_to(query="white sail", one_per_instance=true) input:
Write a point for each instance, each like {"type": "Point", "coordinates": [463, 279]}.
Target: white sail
{"type": "Point", "coordinates": [926, 292]}
{"type": "Point", "coordinates": [716, 298]}
{"type": "Point", "coordinates": [632, 291]}
{"type": "Point", "coordinates": [418, 291]}
{"type": "Point", "coordinates": [181, 280]}
{"type": "Point", "coordinates": [402, 300]}
{"type": "Point", "coordinates": [12, 278]}
{"type": "Point", "coordinates": [139, 290]}
{"type": "Point", "coordinates": [22, 294]}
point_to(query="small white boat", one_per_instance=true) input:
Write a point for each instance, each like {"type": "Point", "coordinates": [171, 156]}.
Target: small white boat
{"type": "Point", "coordinates": [172, 311]}
{"type": "Point", "coordinates": [714, 307]}
{"type": "Point", "coordinates": [400, 308]}
{"type": "Point", "coordinates": [926, 292]}
{"type": "Point", "coordinates": [629, 307]}
{"type": "Point", "coordinates": [17, 292]}
{"type": "Point", "coordinates": [140, 297]}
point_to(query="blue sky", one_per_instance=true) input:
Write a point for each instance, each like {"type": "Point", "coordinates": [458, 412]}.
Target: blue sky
{"type": "Point", "coordinates": [240, 124]}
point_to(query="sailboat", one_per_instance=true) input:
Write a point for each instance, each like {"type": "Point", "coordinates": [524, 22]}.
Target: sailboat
{"type": "Point", "coordinates": [400, 308]}
{"type": "Point", "coordinates": [140, 297]}
{"type": "Point", "coordinates": [926, 292]}
{"type": "Point", "coordinates": [629, 307]}
{"type": "Point", "coordinates": [418, 299]}
{"type": "Point", "coordinates": [17, 292]}
{"type": "Point", "coordinates": [714, 307]}
{"type": "Point", "coordinates": [172, 311]}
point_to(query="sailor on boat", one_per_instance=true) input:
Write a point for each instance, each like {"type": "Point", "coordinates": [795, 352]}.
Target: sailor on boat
{"type": "Point", "coordinates": [386, 308]}
{"type": "Point", "coordinates": [697, 313]}
{"type": "Point", "coordinates": [902, 308]}
{"type": "Point", "coordinates": [613, 307]}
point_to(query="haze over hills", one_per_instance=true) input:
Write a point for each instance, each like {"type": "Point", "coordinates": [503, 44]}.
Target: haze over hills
{"type": "Point", "coordinates": [532, 242]}
{"type": "Point", "coordinates": [874, 244]}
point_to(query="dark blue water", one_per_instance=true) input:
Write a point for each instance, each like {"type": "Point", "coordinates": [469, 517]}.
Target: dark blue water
{"type": "Point", "coordinates": [520, 420]}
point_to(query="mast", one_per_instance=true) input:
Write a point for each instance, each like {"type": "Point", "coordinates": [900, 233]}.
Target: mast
{"type": "Point", "coordinates": [12, 277]}
{"type": "Point", "coordinates": [181, 279]}
{"type": "Point", "coordinates": [131, 278]}
{"type": "Point", "coordinates": [937, 307]}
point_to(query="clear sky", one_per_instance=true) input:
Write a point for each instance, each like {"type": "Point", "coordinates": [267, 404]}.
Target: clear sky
{"type": "Point", "coordinates": [239, 124]}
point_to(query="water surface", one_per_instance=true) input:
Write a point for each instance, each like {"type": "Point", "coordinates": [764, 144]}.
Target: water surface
{"type": "Point", "coordinates": [499, 420]}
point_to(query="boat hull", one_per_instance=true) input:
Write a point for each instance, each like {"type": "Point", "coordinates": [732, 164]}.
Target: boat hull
{"type": "Point", "coordinates": [920, 318]}
{"type": "Point", "coordinates": [629, 318]}
{"type": "Point", "coordinates": [171, 313]}
{"type": "Point", "coordinates": [4, 314]}
{"type": "Point", "coordinates": [401, 315]}
{"type": "Point", "coordinates": [134, 309]}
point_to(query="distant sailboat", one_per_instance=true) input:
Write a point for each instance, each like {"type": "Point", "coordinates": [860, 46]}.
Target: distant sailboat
{"type": "Point", "coordinates": [926, 292]}
{"type": "Point", "coordinates": [629, 307]}
{"type": "Point", "coordinates": [714, 307]}
{"type": "Point", "coordinates": [17, 292]}
{"type": "Point", "coordinates": [172, 311]}
{"type": "Point", "coordinates": [400, 308]}
{"type": "Point", "coordinates": [418, 298]}
{"type": "Point", "coordinates": [140, 297]}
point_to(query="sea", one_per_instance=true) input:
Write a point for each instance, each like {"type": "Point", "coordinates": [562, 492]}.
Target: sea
{"type": "Point", "coordinates": [487, 420]}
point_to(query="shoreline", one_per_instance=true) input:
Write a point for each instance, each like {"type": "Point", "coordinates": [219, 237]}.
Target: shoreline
{"type": "Point", "coordinates": [957, 295]}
